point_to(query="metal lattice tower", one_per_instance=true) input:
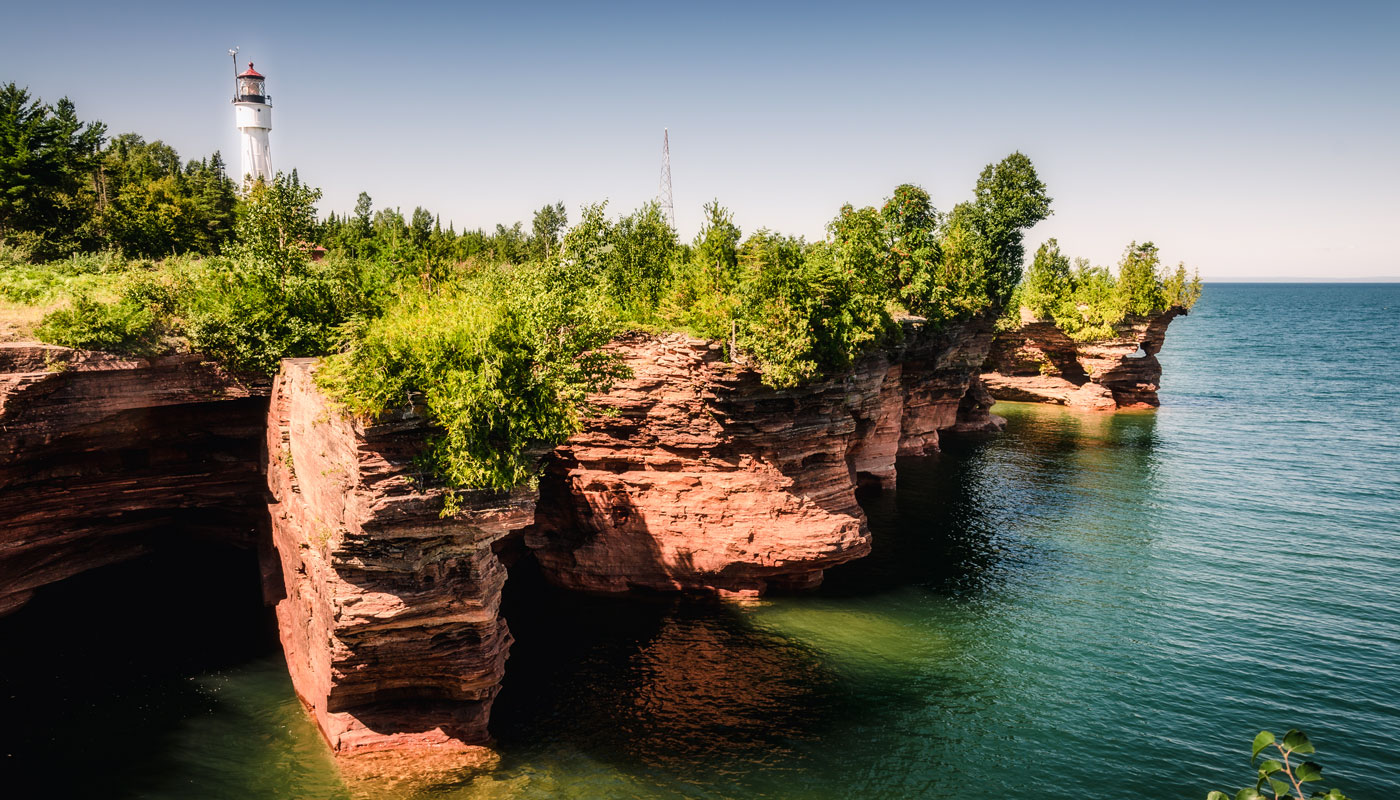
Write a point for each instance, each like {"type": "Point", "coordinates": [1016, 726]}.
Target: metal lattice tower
{"type": "Point", "coordinates": [668, 202]}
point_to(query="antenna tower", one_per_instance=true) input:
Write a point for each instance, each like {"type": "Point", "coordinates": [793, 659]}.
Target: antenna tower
{"type": "Point", "coordinates": [668, 202]}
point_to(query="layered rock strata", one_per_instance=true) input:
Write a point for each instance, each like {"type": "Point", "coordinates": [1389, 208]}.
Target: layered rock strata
{"type": "Point", "coordinates": [102, 454]}
{"type": "Point", "coordinates": [696, 477]}
{"type": "Point", "coordinates": [390, 621]}
{"type": "Point", "coordinates": [1038, 363]}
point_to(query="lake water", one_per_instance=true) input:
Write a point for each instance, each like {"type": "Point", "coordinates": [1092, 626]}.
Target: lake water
{"type": "Point", "coordinates": [1086, 606]}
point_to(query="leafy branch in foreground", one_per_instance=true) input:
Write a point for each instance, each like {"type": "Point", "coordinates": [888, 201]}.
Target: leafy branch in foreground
{"type": "Point", "coordinates": [1282, 779]}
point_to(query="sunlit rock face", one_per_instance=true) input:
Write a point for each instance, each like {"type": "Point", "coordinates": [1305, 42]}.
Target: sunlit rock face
{"type": "Point", "coordinates": [390, 621]}
{"type": "Point", "coordinates": [100, 455]}
{"type": "Point", "coordinates": [696, 477]}
{"type": "Point", "coordinates": [1038, 363]}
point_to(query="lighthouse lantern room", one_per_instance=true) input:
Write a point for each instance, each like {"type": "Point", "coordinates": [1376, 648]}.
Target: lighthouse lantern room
{"type": "Point", "coordinates": [253, 116]}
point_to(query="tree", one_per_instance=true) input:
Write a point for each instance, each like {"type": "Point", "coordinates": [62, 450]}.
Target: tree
{"type": "Point", "coordinates": [638, 267]}
{"type": "Point", "coordinates": [1009, 198]}
{"type": "Point", "coordinates": [277, 224]}
{"type": "Point", "coordinates": [702, 297]}
{"type": "Point", "coordinates": [1048, 282]}
{"type": "Point", "coordinates": [47, 160]}
{"type": "Point", "coordinates": [420, 227]}
{"type": "Point", "coordinates": [911, 225]}
{"type": "Point", "coordinates": [154, 207]}
{"type": "Point", "coordinates": [548, 226]}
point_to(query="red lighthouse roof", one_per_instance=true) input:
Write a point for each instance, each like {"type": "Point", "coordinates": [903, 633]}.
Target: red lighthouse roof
{"type": "Point", "coordinates": [250, 72]}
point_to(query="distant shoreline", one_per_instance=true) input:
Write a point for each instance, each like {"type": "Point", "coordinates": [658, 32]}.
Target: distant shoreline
{"type": "Point", "coordinates": [1312, 281]}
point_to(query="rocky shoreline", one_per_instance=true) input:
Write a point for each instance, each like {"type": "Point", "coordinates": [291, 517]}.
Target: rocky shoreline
{"type": "Point", "coordinates": [692, 477]}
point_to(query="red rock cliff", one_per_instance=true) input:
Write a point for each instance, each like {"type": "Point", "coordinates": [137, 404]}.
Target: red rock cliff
{"type": "Point", "coordinates": [697, 477]}
{"type": "Point", "coordinates": [101, 454]}
{"type": "Point", "coordinates": [390, 623]}
{"type": "Point", "coordinates": [1038, 363]}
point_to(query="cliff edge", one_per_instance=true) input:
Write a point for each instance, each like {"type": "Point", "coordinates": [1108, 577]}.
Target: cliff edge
{"type": "Point", "coordinates": [100, 455]}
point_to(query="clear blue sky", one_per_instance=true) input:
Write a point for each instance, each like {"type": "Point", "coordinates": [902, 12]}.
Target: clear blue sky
{"type": "Point", "coordinates": [1254, 141]}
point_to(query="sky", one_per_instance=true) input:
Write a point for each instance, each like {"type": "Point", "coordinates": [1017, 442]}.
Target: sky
{"type": "Point", "coordinates": [1251, 141]}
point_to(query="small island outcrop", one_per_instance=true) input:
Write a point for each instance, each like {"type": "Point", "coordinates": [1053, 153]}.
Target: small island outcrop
{"type": "Point", "coordinates": [1038, 363]}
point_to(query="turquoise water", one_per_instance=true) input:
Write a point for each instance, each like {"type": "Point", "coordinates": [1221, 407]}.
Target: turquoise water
{"type": "Point", "coordinates": [1087, 606]}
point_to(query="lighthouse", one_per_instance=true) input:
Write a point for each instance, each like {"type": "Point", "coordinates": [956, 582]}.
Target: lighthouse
{"type": "Point", "coordinates": [252, 113]}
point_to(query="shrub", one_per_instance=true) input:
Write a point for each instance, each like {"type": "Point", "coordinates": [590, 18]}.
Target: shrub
{"type": "Point", "coordinates": [269, 300]}
{"type": "Point", "coordinates": [502, 364]}
{"type": "Point", "coordinates": [125, 326]}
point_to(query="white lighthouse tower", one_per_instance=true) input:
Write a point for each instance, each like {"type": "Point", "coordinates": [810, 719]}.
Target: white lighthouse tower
{"type": "Point", "coordinates": [252, 113]}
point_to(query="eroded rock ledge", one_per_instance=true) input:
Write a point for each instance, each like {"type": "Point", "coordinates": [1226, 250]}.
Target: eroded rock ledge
{"type": "Point", "coordinates": [1038, 363]}
{"type": "Point", "coordinates": [100, 454]}
{"type": "Point", "coordinates": [699, 478]}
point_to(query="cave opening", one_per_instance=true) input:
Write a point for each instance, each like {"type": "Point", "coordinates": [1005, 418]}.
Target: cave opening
{"type": "Point", "coordinates": [102, 670]}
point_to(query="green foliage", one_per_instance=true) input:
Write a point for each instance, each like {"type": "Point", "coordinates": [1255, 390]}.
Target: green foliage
{"type": "Point", "coordinates": [548, 226]}
{"type": "Point", "coordinates": [149, 205]}
{"type": "Point", "coordinates": [945, 269]}
{"type": "Point", "coordinates": [1089, 302]}
{"type": "Point", "coordinates": [913, 252]}
{"type": "Point", "coordinates": [502, 363]}
{"type": "Point", "coordinates": [66, 189]}
{"type": "Point", "coordinates": [49, 283]}
{"type": "Point", "coordinates": [798, 310]}
{"type": "Point", "coordinates": [126, 310]}
{"type": "Point", "coordinates": [1283, 779]}
{"type": "Point", "coordinates": [1048, 282]}
{"type": "Point", "coordinates": [636, 262]}
{"type": "Point", "coordinates": [1182, 290]}
{"type": "Point", "coordinates": [703, 298]}
{"type": "Point", "coordinates": [1009, 198]}
{"type": "Point", "coordinates": [125, 326]}
{"type": "Point", "coordinates": [1139, 286]}
{"type": "Point", "coordinates": [46, 159]}
{"type": "Point", "coordinates": [269, 300]}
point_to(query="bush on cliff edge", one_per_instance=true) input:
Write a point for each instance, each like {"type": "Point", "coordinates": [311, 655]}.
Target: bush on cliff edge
{"type": "Point", "coordinates": [501, 363]}
{"type": "Point", "coordinates": [1088, 302]}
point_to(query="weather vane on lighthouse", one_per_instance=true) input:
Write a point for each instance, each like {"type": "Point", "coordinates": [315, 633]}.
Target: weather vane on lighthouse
{"type": "Point", "coordinates": [252, 113]}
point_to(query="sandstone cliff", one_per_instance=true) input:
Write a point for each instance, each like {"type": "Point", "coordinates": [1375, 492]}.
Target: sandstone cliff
{"type": "Point", "coordinates": [1038, 363]}
{"type": "Point", "coordinates": [390, 621]}
{"type": "Point", "coordinates": [100, 454]}
{"type": "Point", "coordinates": [697, 477]}
{"type": "Point", "coordinates": [694, 477]}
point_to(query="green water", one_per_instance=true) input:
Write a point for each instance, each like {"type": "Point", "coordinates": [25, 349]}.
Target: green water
{"type": "Point", "coordinates": [1087, 606]}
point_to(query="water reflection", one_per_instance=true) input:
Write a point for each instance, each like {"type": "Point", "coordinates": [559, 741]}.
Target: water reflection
{"type": "Point", "coordinates": [671, 684]}
{"type": "Point", "coordinates": [661, 697]}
